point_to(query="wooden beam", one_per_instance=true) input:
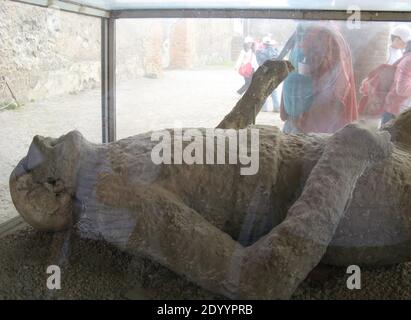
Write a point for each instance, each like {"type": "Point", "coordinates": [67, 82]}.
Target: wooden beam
{"type": "Point", "coordinates": [260, 14]}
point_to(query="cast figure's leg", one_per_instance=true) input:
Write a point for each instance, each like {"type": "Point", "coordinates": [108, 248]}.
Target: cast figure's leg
{"type": "Point", "coordinates": [267, 77]}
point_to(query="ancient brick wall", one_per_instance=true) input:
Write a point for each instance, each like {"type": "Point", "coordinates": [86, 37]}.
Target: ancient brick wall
{"type": "Point", "coordinates": [182, 44]}
{"type": "Point", "coordinates": [200, 42]}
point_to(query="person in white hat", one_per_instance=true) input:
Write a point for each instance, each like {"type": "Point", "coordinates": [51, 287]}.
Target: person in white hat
{"type": "Point", "coordinates": [400, 35]}
{"type": "Point", "coordinates": [266, 40]}
{"type": "Point", "coordinates": [246, 63]}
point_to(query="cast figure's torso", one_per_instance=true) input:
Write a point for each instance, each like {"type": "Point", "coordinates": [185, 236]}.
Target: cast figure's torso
{"type": "Point", "coordinates": [248, 207]}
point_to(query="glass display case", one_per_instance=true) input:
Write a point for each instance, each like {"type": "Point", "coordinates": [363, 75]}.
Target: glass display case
{"type": "Point", "coordinates": [205, 149]}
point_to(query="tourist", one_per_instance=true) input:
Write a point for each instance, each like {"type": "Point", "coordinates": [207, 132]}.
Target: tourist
{"type": "Point", "coordinates": [400, 35]}
{"type": "Point", "coordinates": [264, 53]}
{"type": "Point", "coordinates": [319, 96]}
{"type": "Point", "coordinates": [246, 63]}
{"type": "Point", "coordinates": [398, 99]}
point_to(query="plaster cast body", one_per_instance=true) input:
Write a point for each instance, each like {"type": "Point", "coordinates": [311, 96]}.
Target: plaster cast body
{"type": "Point", "coordinates": [341, 199]}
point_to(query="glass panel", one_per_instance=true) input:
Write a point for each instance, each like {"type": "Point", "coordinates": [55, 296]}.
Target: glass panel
{"type": "Point", "coordinates": [180, 72]}
{"type": "Point", "coordinates": [211, 214]}
{"type": "Point", "coordinates": [175, 72]}
{"type": "Point", "coordinates": [50, 64]}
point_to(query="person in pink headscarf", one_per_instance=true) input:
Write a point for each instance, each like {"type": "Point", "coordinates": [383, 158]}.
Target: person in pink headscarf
{"type": "Point", "coordinates": [327, 64]}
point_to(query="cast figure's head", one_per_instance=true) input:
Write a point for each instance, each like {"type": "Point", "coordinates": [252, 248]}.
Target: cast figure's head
{"type": "Point", "coordinates": [42, 186]}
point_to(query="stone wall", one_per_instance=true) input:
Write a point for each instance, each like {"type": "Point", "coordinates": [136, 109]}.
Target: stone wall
{"type": "Point", "coordinates": [139, 48]}
{"type": "Point", "coordinates": [47, 52]}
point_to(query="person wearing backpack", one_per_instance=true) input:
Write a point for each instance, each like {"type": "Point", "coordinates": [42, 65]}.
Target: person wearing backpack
{"type": "Point", "coordinates": [246, 63]}
{"type": "Point", "coordinates": [264, 53]}
{"type": "Point", "coordinates": [398, 99]}
{"type": "Point", "coordinates": [386, 91]}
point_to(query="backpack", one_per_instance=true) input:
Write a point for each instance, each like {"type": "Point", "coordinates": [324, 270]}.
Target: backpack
{"type": "Point", "coordinates": [375, 88]}
{"type": "Point", "coordinates": [246, 68]}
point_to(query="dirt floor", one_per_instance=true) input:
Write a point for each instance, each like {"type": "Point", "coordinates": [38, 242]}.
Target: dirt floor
{"type": "Point", "coordinates": [197, 98]}
{"type": "Point", "coordinates": [96, 270]}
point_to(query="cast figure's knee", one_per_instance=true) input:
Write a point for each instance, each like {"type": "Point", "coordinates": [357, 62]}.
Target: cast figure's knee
{"type": "Point", "coordinates": [363, 141]}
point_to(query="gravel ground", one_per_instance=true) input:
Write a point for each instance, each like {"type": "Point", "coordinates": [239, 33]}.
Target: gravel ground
{"type": "Point", "coordinates": [197, 98]}
{"type": "Point", "coordinates": [96, 270]}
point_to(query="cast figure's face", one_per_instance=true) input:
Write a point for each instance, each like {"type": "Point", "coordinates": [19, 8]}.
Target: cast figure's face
{"type": "Point", "coordinates": [42, 184]}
